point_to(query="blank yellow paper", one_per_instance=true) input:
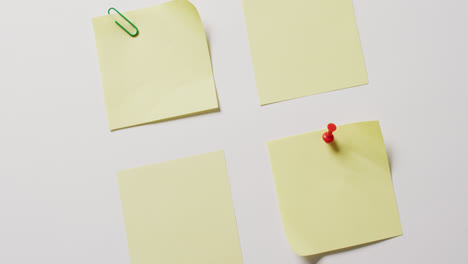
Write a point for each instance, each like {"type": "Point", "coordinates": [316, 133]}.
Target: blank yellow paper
{"type": "Point", "coordinates": [165, 72]}
{"type": "Point", "coordinates": [303, 47]}
{"type": "Point", "coordinates": [335, 196]}
{"type": "Point", "coordinates": [180, 211]}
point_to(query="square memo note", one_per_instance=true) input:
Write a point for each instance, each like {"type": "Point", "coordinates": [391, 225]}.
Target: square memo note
{"type": "Point", "coordinates": [338, 195]}
{"type": "Point", "coordinates": [180, 212]}
{"type": "Point", "coordinates": [163, 73]}
{"type": "Point", "coordinates": [303, 47]}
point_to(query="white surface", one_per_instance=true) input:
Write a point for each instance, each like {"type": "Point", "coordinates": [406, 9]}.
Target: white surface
{"type": "Point", "coordinates": [59, 199]}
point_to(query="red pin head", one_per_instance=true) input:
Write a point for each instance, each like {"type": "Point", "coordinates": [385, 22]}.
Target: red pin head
{"type": "Point", "coordinates": [328, 136]}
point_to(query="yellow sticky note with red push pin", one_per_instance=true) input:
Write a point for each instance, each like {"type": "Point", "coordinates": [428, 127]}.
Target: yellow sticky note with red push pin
{"type": "Point", "coordinates": [335, 188]}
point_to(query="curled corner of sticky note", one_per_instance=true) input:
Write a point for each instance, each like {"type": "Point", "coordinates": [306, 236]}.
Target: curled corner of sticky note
{"type": "Point", "coordinates": [185, 5]}
{"type": "Point", "coordinates": [300, 251]}
{"type": "Point", "coordinates": [186, 2]}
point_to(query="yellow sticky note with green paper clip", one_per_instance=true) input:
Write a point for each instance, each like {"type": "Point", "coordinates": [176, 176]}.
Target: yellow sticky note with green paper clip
{"type": "Point", "coordinates": [163, 73]}
{"type": "Point", "coordinates": [303, 47]}
{"type": "Point", "coordinates": [334, 196]}
{"type": "Point", "coordinates": [180, 211]}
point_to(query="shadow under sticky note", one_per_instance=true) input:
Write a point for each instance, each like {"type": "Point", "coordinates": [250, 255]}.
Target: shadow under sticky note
{"type": "Point", "coordinates": [303, 47]}
{"type": "Point", "coordinates": [335, 196]}
{"type": "Point", "coordinates": [163, 73]}
{"type": "Point", "coordinates": [180, 211]}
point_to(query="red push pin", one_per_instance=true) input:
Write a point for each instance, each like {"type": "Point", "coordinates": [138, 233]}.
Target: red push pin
{"type": "Point", "coordinates": [328, 136]}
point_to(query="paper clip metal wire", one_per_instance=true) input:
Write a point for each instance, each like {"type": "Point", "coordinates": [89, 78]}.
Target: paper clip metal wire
{"type": "Point", "coordinates": [133, 35]}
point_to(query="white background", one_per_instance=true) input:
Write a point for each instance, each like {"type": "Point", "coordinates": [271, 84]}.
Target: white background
{"type": "Point", "coordinates": [59, 199]}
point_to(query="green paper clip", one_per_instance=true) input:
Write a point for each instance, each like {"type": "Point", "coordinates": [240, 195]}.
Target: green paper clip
{"type": "Point", "coordinates": [133, 35]}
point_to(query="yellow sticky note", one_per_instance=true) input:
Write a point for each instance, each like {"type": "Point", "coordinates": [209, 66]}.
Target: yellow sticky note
{"type": "Point", "coordinates": [163, 73]}
{"type": "Point", "coordinates": [303, 47]}
{"type": "Point", "coordinates": [334, 196]}
{"type": "Point", "coordinates": [180, 211]}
